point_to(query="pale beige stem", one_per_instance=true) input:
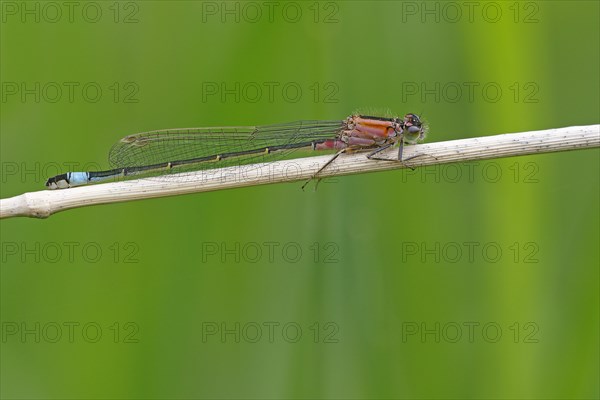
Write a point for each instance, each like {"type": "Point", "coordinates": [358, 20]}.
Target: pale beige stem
{"type": "Point", "coordinates": [47, 202]}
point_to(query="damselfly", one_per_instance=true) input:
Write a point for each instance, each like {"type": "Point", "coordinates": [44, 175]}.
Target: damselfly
{"type": "Point", "coordinates": [176, 150]}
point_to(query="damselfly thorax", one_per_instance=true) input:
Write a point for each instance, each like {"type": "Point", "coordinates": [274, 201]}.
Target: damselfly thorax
{"type": "Point", "coordinates": [367, 131]}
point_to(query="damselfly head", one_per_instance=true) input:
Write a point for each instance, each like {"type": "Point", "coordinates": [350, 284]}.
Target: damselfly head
{"type": "Point", "coordinates": [414, 129]}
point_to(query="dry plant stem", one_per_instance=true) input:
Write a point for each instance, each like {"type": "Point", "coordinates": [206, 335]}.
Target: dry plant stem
{"type": "Point", "coordinates": [47, 202]}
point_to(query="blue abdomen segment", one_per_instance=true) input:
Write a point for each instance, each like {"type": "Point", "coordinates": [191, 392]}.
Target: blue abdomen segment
{"type": "Point", "coordinates": [78, 178]}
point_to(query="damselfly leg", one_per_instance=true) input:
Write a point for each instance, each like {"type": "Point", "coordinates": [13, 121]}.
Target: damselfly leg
{"type": "Point", "coordinates": [400, 151]}
{"type": "Point", "coordinates": [316, 174]}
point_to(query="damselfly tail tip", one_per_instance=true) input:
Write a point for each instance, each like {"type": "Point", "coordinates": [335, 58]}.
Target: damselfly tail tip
{"type": "Point", "coordinates": [68, 180]}
{"type": "Point", "coordinates": [57, 182]}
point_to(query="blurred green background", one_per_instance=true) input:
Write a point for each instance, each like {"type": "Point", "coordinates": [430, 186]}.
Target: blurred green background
{"type": "Point", "coordinates": [367, 288]}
